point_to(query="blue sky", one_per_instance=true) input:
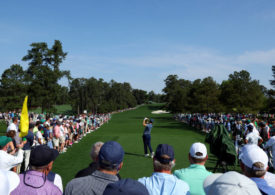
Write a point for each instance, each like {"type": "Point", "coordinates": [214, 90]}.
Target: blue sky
{"type": "Point", "coordinates": [143, 41]}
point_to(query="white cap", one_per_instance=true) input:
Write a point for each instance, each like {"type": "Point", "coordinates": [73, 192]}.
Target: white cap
{"type": "Point", "coordinates": [198, 147]}
{"type": "Point", "coordinates": [251, 154]}
{"type": "Point", "coordinates": [9, 181]}
{"type": "Point", "coordinates": [230, 183]}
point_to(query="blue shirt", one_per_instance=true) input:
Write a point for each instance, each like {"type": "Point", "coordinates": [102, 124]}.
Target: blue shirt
{"type": "Point", "coordinates": [164, 184]}
{"type": "Point", "coordinates": [148, 129]}
{"type": "Point", "coordinates": [29, 138]}
{"type": "Point", "coordinates": [263, 185]}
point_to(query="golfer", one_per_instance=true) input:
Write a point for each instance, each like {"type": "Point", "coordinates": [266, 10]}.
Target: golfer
{"type": "Point", "coordinates": [148, 124]}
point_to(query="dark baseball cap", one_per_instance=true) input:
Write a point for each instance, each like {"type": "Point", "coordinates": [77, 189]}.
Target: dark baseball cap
{"type": "Point", "coordinates": [126, 187]}
{"type": "Point", "coordinates": [164, 153]}
{"type": "Point", "coordinates": [111, 153]}
{"type": "Point", "coordinates": [42, 155]}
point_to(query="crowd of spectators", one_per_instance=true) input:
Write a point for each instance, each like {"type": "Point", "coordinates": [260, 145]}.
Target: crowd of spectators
{"type": "Point", "coordinates": [102, 175]}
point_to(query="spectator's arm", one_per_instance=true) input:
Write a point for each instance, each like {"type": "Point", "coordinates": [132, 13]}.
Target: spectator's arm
{"type": "Point", "coordinates": [39, 141]}
{"type": "Point", "coordinates": [269, 143]}
{"type": "Point", "coordinates": [15, 160]}
{"type": "Point", "coordinates": [260, 141]}
{"type": "Point", "coordinates": [11, 146]}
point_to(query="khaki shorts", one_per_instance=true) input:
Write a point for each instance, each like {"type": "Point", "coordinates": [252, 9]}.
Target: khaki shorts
{"type": "Point", "coordinates": [55, 142]}
{"type": "Point", "coordinates": [71, 136]}
{"type": "Point", "coordinates": [61, 139]}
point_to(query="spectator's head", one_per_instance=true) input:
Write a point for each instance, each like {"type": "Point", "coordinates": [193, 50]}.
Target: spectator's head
{"type": "Point", "coordinates": [198, 153]}
{"type": "Point", "coordinates": [40, 128]}
{"type": "Point", "coordinates": [4, 140]}
{"type": "Point", "coordinates": [58, 122]}
{"type": "Point", "coordinates": [254, 161]}
{"type": "Point", "coordinates": [110, 157]}
{"type": "Point", "coordinates": [250, 128]}
{"type": "Point", "coordinates": [15, 120]}
{"type": "Point", "coordinates": [37, 123]}
{"type": "Point", "coordinates": [31, 126]}
{"type": "Point", "coordinates": [95, 150]}
{"type": "Point", "coordinates": [11, 134]}
{"type": "Point", "coordinates": [126, 187]}
{"type": "Point", "coordinates": [230, 183]}
{"type": "Point", "coordinates": [262, 124]}
{"type": "Point", "coordinates": [9, 181]}
{"type": "Point", "coordinates": [42, 157]}
{"type": "Point", "coordinates": [272, 131]}
{"type": "Point", "coordinates": [164, 159]}
{"type": "Point", "coordinates": [151, 120]}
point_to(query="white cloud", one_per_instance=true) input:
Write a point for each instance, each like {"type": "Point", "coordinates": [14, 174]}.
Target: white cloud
{"type": "Point", "coordinates": [189, 63]}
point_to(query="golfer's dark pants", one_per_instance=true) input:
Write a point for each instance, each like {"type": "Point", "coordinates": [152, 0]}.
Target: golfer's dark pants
{"type": "Point", "coordinates": [147, 143]}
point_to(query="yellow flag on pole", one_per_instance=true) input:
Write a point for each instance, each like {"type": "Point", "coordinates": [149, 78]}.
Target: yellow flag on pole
{"type": "Point", "coordinates": [24, 119]}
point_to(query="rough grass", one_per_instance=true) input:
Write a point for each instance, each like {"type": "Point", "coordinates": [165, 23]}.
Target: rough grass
{"type": "Point", "coordinates": [126, 128]}
{"type": "Point", "coordinates": [3, 127]}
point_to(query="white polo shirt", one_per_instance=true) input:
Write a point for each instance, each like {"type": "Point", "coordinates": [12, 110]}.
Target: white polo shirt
{"type": "Point", "coordinates": [7, 161]}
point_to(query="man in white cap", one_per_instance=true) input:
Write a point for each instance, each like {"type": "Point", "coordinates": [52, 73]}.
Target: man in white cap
{"type": "Point", "coordinates": [195, 174]}
{"type": "Point", "coordinates": [9, 181]}
{"type": "Point", "coordinates": [230, 183]}
{"type": "Point", "coordinates": [254, 164]}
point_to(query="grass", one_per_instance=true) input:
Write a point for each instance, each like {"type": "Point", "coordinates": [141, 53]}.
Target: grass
{"type": "Point", "coordinates": [3, 128]}
{"type": "Point", "coordinates": [126, 128]}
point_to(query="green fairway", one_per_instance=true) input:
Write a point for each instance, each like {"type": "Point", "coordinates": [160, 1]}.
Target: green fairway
{"type": "Point", "coordinates": [126, 128]}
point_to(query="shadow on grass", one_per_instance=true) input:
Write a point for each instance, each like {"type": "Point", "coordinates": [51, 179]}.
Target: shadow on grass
{"type": "Point", "coordinates": [133, 154]}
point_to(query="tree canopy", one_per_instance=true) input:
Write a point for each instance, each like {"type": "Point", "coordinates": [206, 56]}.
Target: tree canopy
{"type": "Point", "coordinates": [239, 93]}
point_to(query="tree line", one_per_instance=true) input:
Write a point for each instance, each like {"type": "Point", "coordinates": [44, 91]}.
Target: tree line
{"type": "Point", "coordinates": [40, 81]}
{"type": "Point", "coordinates": [238, 94]}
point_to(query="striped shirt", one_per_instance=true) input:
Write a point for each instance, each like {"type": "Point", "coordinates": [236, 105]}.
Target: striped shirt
{"type": "Point", "coordinates": [93, 184]}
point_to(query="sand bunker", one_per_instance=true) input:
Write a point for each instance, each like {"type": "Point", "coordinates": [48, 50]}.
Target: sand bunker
{"type": "Point", "coordinates": [160, 112]}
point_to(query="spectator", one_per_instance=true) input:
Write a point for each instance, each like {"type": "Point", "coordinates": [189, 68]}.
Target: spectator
{"type": "Point", "coordinates": [35, 180]}
{"type": "Point", "coordinates": [39, 139]}
{"type": "Point", "coordinates": [252, 137]}
{"type": "Point", "coordinates": [62, 136]}
{"type": "Point", "coordinates": [126, 187]}
{"type": "Point", "coordinates": [11, 149]}
{"type": "Point", "coordinates": [28, 142]}
{"type": "Point", "coordinates": [162, 181]}
{"type": "Point", "coordinates": [230, 183]}
{"type": "Point", "coordinates": [14, 125]}
{"type": "Point", "coordinates": [196, 173]}
{"type": "Point", "coordinates": [8, 161]}
{"type": "Point", "coordinates": [56, 135]}
{"type": "Point", "coordinates": [9, 181]}
{"type": "Point", "coordinates": [254, 165]}
{"type": "Point", "coordinates": [271, 144]}
{"type": "Point", "coordinates": [35, 129]}
{"type": "Point", "coordinates": [55, 179]}
{"type": "Point", "coordinates": [110, 162]}
{"type": "Point", "coordinates": [93, 166]}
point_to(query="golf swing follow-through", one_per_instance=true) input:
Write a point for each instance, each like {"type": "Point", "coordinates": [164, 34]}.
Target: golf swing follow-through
{"type": "Point", "coordinates": [148, 124]}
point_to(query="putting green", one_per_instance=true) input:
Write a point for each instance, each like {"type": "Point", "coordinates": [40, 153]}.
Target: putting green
{"type": "Point", "coordinates": [126, 128]}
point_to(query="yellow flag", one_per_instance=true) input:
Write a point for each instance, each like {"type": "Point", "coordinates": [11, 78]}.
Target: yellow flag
{"type": "Point", "coordinates": [24, 119]}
